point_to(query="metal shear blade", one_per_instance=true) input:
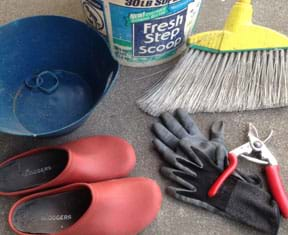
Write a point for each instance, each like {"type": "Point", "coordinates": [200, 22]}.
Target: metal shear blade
{"type": "Point", "coordinates": [260, 153]}
{"type": "Point", "coordinates": [253, 134]}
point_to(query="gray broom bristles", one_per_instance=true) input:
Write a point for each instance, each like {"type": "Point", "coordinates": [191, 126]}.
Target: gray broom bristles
{"type": "Point", "coordinates": [209, 82]}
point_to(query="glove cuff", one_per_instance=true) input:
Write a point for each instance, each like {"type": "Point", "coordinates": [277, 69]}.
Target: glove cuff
{"type": "Point", "coordinates": [255, 207]}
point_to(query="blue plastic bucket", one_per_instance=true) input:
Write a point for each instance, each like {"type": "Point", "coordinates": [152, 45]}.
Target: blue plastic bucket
{"type": "Point", "coordinates": [143, 32]}
{"type": "Point", "coordinates": [53, 72]}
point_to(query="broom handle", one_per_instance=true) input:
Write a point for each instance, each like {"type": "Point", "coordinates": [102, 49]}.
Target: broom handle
{"type": "Point", "coordinates": [240, 15]}
{"type": "Point", "coordinates": [245, 1]}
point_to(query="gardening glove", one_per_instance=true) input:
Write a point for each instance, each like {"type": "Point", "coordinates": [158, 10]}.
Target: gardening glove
{"type": "Point", "coordinates": [238, 200]}
{"type": "Point", "coordinates": [172, 129]}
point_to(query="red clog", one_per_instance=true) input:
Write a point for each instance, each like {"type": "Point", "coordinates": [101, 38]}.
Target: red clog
{"type": "Point", "coordinates": [115, 207]}
{"type": "Point", "coordinates": [86, 160]}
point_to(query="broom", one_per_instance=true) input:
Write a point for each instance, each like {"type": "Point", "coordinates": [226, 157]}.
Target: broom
{"type": "Point", "coordinates": [243, 67]}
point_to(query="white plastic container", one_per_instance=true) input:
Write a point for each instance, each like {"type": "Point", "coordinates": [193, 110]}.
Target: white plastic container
{"type": "Point", "coordinates": [143, 32]}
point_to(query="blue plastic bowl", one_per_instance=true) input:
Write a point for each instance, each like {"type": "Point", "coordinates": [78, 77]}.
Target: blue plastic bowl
{"type": "Point", "coordinates": [53, 72]}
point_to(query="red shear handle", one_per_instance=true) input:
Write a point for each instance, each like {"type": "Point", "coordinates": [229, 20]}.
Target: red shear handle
{"type": "Point", "coordinates": [233, 162]}
{"type": "Point", "coordinates": [277, 189]}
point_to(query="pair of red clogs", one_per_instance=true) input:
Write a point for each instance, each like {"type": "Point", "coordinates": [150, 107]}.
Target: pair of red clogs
{"type": "Point", "coordinates": [83, 207]}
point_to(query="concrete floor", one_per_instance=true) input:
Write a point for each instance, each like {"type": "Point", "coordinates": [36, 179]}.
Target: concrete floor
{"type": "Point", "coordinates": [118, 115]}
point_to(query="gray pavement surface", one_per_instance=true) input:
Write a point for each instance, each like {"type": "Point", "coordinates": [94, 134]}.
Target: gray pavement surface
{"type": "Point", "coordinates": [118, 115]}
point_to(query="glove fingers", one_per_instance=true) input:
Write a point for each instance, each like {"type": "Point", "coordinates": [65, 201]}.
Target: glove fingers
{"type": "Point", "coordinates": [220, 157]}
{"type": "Point", "coordinates": [217, 132]}
{"type": "Point", "coordinates": [217, 153]}
{"type": "Point", "coordinates": [180, 193]}
{"type": "Point", "coordinates": [165, 135]}
{"type": "Point", "coordinates": [174, 159]}
{"type": "Point", "coordinates": [180, 177]}
{"type": "Point", "coordinates": [188, 123]}
{"type": "Point", "coordinates": [190, 197]}
{"type": "Point", "coordinates": [185, 146]}
{"type": "Point", "coordinates": [205, 160]}
{"type": "Point", "coordinates": [173, 125]}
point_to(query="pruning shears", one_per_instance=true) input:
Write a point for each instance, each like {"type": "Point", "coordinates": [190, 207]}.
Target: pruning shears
{"type": "Point", "coordinates": [256, 151]}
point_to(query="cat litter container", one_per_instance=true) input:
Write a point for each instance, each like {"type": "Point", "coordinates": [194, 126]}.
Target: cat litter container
{"type": "Point", "coordinates": [143, 32]}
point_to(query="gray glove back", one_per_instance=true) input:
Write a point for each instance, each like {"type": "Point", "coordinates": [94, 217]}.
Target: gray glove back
{"type": "Point", "coordinates": [172, 129]}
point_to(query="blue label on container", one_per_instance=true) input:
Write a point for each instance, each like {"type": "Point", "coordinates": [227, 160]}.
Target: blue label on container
{"type": "Point", "coordinates": [179, 6]}
{"type": "Point", "coordinates": [158, 36]}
